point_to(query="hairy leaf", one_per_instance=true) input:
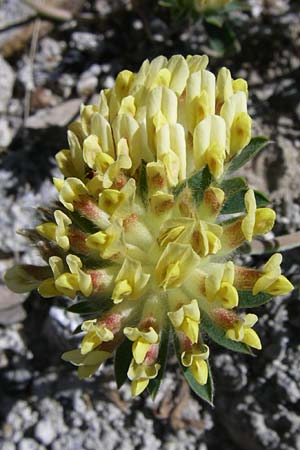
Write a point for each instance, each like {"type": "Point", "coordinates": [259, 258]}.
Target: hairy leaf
{"type": "Point", "coordinates": [255, 145]}
{"type": "Point", "coordinates": [88, 307]}
{"type": "Point", "coordinates": [206, 392]}
{"type": "Point", "coordinates": [198, 183]}
{"type": "Point", "coordinates": [248, 300]}
{"type": "Point", "coordinates": [235, 203]}
{"type": "Point", "coordinates": [123, 357]}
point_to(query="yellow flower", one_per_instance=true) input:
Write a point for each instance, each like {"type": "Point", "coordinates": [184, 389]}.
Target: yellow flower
{"type": "Point", "coordinates": [226, 87]}
{"type": "Point", "coordinates": [96, 334]}
{"type": "Point", "coordinates": [200, 97]}
{"type": "Point", "coordinates": [256, 221]}
{"type": "Point", "coordinates": [130, 281]}
{"type": "Point", "coordinates": [210, 143]}
{"type": "Point", "coordinates": [219, 285]}
{"type": "Point", "coordinates": [174, 265]}
{"type": "Point", "coordinates": [66, 283]}
{"type": "Point", "coordinates": [187, 319]}
{"type": "Point", "coordinates": [142, 341]}
{"type": "Point", "coordinates": [140, 375]}
{"type": "Point", "coordinates": [195, 359]}
{"type": "Point", "coordinates": [242, 331]}
{"type": "Point", "coordinates": [271, 281]}
{"type": "Point", "coordinates": [71, 191]}
{"type": "Point", "coordinates": [57, 232]}
{"type": "Point", "coordinates": [238, 122]}
{"type": "Point", "coordinates": [70, 161]}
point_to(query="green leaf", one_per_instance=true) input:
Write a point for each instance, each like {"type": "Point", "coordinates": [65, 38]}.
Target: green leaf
{"type": "Point", "coordinates": [88, 307]}
{"type": "Point", "coordinates": [206, 392]}
{"type": "Point", "coordinates": [222, 39]}
{"type": "Point", "coordinates": [123, 357]}
{"type": "Point", "coordinates": [83, 223]}
{"type": "Point", "coordinates": [154, 384]}
{"type": "Point", "coordinates": [235, 190]}
{"type": "Point", "coordinates": [218, 335]}
{"type": "Point", "coordinates": [233, 185]}
{"type": "Point", "coordinates": [75, 357]}
{"type": "Point", "coordinates": [256, 144]}
{"type": "Point", "coordinates": [235, 203]}
{"type": "Point", "coordinates": [214, 19]}
{"type": "Point", "coordinates": [248, 300]}
{"type": "Point", "coordinates": [261, 199]}
{"type": "Point", "coordinates": [198, 183]}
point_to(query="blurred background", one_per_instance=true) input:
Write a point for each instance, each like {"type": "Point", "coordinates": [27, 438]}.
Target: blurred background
{"type": "Point", "coordinates": [57, 54]}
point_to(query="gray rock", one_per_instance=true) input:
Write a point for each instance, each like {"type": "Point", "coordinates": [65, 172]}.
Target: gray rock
{"type": "Point", "coordinates": [108, 7]}
{"type": "Point", "coordinates": [11, 309]}
{"type": "Point", "coordinates": [53, 412]}
{"type": "Point", "coordinates": [66, 83]}
{"type": "Point", "coordinates": [11, 339]}
{"type": "Point", "coordinates": [58, 329]}
{"type": "Point", "coordinates": [29, 444]}
{"type": "Point", "coordinates": [13, 12]}
{"type": "Point", "coordinates": [6, 133]}
{"type": "Point", "coordinates": [87, 85]}
{"type": "Point", "coordinates": [5, 445]}
{"type": "Point", "coordinates": [25, 74]}
{"type": "Point", "coordinates": [86, 42]}
{"type": "Point", "coordinates": [47, 59]}
{"type": "Point", "coordinates": [60, 115]}
{"type": "Point", "coordinates": [89, 80]}
{"type": "Point", "coordinates": [7, 81]}
{"type": "Point", "coordinates": [45, 432]}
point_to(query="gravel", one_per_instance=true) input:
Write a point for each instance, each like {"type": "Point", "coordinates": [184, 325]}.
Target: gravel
{"type": "Point", "coordinates": [7, 81]}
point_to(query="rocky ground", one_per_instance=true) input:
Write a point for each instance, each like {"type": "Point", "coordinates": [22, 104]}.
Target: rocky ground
{"type": "Point", "coordinates": [52, 62]}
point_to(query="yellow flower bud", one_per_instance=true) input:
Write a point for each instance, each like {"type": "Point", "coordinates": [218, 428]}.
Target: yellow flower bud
{"type": "Point", "coordinates": [238, 122]}
{"type": "Point", "coordinates": [209, 144]}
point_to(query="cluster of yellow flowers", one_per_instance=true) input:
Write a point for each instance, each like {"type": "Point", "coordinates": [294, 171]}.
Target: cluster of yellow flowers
{"type": "Point", "coordinates": [140, 231]}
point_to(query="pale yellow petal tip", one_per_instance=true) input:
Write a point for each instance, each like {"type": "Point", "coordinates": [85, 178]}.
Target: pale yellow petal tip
{"type": "Point", "coordinates": [138, 386]}
{"type": "Point", "coordinates": [200, 372]}
{"type": "Point", "coordinates": [252, 339]}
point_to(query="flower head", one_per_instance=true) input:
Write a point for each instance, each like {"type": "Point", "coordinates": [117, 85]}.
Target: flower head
{"type": "Point", "coordinates": [140, 230]}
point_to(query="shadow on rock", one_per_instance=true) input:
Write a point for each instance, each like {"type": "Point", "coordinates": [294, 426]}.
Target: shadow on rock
{"type": "Point", "coordinates": [30, 157]}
